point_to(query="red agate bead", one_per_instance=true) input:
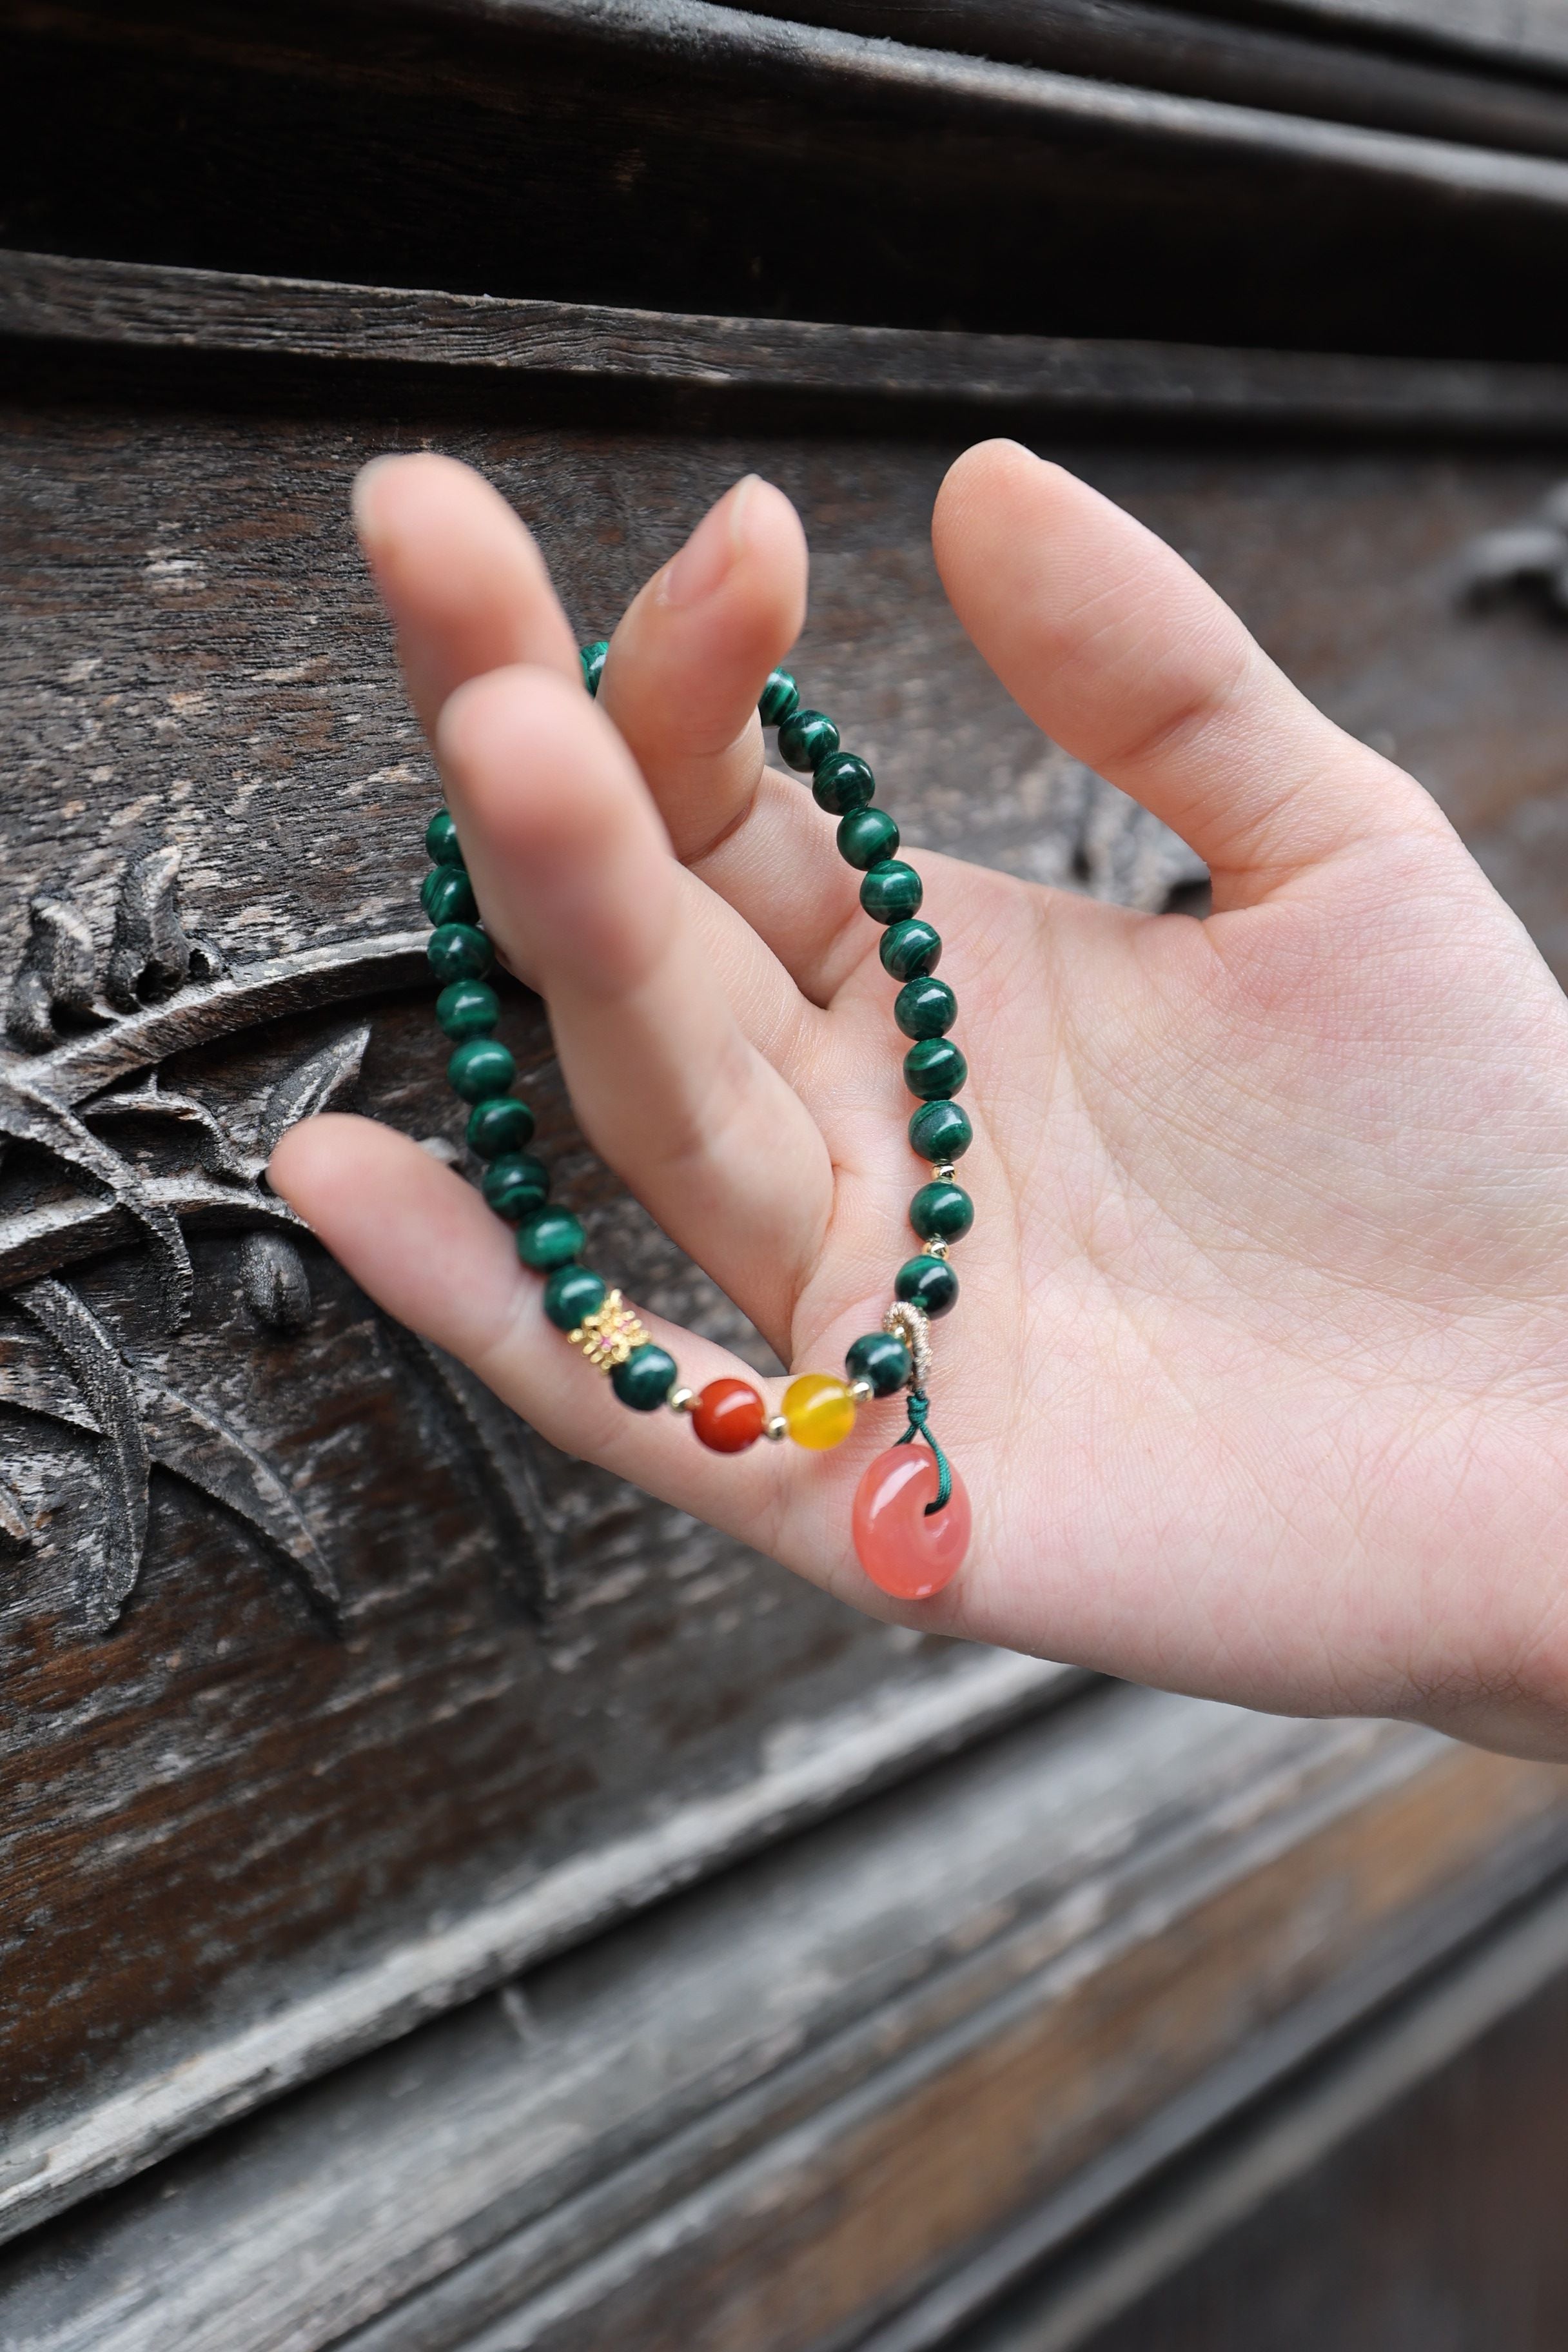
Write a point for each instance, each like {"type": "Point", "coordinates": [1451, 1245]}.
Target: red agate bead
{"type": "Point", "coordinates": [727, 1416]}
{"type": "Point", "coordinates": [900, 1550]}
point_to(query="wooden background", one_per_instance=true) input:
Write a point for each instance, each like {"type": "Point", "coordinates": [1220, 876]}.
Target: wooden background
{"type": "Point", "coordinates": [401, 1864]}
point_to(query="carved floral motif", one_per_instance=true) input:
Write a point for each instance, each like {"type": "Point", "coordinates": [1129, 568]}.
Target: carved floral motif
{"type": "Point", "coordinates": [82, 1067]}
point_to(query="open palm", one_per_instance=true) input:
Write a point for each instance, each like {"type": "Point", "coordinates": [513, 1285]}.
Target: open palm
{"type": "Point", "coordinates": [1258, 1377]}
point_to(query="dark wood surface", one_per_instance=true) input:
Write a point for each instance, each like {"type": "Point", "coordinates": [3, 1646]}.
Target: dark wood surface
{"type": "Point", "coordinates": [1283, 65]}
{"type": "Point", "coordinates": [693, 158]}
{"type": "Point", "coordinates": [782, 2110]}
{"type": "Point", "coordinates": [1405, 2196]}
{"type": "Point", "coordinates": [231, 1837]}
{"type": "Point", "coordinates": [89, 314]}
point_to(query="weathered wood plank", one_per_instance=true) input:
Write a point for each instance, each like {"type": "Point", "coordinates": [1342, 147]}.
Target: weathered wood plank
{"type": "Point", "coordinates": [48, 298]}
{"type": "Point", "coordinates": [752, 2120]}
{"type": "Point", "coordinates": [692, 157]}
{"type": "Point", "coordinates": [228, 1840]}
{"type": "Point", "coordinates": [1274, 64]}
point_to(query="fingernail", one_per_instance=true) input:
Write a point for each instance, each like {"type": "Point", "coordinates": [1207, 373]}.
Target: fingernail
{"type": "Point", "coordinates": [709, 552]}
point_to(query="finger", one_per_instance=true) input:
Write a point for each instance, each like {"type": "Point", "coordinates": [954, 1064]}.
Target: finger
{"type": "Point", "coordinates": [466, 587]}
{"type": "Point", "coordinates": [690, 655]}
{"type": "Point", "coordinates": [1132, 662]}
{"type": "Point", "coordinates": [423, 1243]}
{"type": "Point", "coordinates": [424, 1246]}
{"type": "Point", "coordinates": [685, 668]}
{"type": "Point", "coordinates": [577, 884]}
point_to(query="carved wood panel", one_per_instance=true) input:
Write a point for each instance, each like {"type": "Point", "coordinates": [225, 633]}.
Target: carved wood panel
{"type": "Point", "coordinates": [329, 1692]}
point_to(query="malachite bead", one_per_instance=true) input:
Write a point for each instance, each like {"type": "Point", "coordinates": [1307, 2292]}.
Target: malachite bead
{"type": "Point", "coordinates": [866, 837]}
{"type": "Point", "coordinates": [441, 840]}
{"type": "Point", "coordinates": [446, 896]}
{"type": "Point", "coordinates": [593, 660]}
{"type": "Point", "coordinates": [503, 1124]}
{"type": "Point", "coordinates": [551, 1238]}
{"type": "Point", "coordinates": [467, 1009]}
{"type": "Point", "coordinates": [516, 1185]}
{"type": "Point", "coordinates": [935, 1069]}
{"type": "Point", "coordinates": [646, 1379]}
{"type": "Point", "coordinates": [779, 699]}
{"type": "Point", "coordinates": [806, 738]}
{"type": "Point", "coordinates": [570, 1293]}
{"type": "Point", "coordinates": [926, 1282]}
{"type": "Point", "coordinates": [910, 948]}
{"type": "Point", "coordinates": [925, 1007]}
{"type": "Point", "coordinates": [843, 781]}
{"type": "Point", "coordinates": [458, 952]}
{"type": "Point", "coordinates": [880, 1358]}
{"type": "Point", "coordinates": [891, 892]}
{"type": "Point", "coordinates": [941, 1212]}
{"type": "Point", "coordinates": [480, 1069]}
{"type": "Point", "coordinates": [940, 1130]}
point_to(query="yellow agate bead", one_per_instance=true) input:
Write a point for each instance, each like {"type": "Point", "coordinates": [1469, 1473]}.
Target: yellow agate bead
{"type": "Point", "coordinates": [818, 1410]}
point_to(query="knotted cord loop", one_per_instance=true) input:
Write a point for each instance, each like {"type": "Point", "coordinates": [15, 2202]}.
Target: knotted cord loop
{"type": "Point", "coordinates": [919, 1408]}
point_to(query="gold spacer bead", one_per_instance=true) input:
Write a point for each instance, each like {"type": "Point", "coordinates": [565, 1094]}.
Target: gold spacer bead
{"type": "Point", "coordinates": [862, 1392]}
{"type": "Point", "coordinates": [943, 1171]}
{"type": "Point", "coordinates": [681, 1400]}
{"type": "Point", "coordinates": [775, 1426]}
{"type": "Point", "coordinates": [937, 1248]}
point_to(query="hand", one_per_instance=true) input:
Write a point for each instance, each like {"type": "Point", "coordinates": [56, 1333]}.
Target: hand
{"type": "Point", "coordinates": [1258, 1378]}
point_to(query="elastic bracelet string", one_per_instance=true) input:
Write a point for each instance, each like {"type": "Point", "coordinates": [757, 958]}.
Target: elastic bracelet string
{"type": "Point", "coordinates": [918, 1407]}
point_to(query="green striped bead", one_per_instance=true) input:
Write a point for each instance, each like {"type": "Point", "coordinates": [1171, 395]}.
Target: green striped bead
{"type": "Point", "coordinates": [929, 1283]}
{"type": "Point", "coordinates": [593, 660]}
{"type": "Point", "coordinates": [941, 1212]}
{"type": "Point", "coordinates": [909, 949]}
{"type": "Point", "coordinates": [502, 1124]}
{"type": "Point", "coordinates": [551, 1238]}
{"type": "Point", "coordinates": [866, 838]}
{"type": "Point", "coordinates": [925, 1007]}
{"type": "Point", "coordinates": [940, 1130]}
{"type": "Point", "coordinates": [516, 1185]}
{"type": "Point", "coordinates": [570, 1293]}
{"type": "Point", "coordinates": [467, 1009]}
{"type": "Point", "coordinates": [646, 1379]}
{"type": "Point", "coordinates": [934, 1069]}
{"type": "Point", "coordinates": [446, 896]}
{"type": "Point", "coordinates": [880, 1358]}
{"type": "Point", "coordinates": [806, 738]}
{"type": "Point", "coordinates": [482, 1067]}
{"type": "Point", "coordinates": [843, 781]}
{"type": "Point", "coordinates": [779, 699]}
{"type": "Point", "coordinates": [459, 952]}
{"type": "Point", "coordinates": [441, 840]}
{"type": "Point", "coordinates": [891, 892]}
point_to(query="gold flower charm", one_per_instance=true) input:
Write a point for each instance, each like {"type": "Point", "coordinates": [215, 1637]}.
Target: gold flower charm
{"type": "Point", "coordinates": [608, 1336]}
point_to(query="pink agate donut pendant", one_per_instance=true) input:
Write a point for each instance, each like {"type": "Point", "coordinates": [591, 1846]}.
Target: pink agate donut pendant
{"type": "Point", "coordinates": [901, 1550]}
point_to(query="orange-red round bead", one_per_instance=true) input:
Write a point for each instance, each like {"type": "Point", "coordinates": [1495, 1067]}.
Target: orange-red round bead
{"type": "Point", "coordinates": [727, 1416]}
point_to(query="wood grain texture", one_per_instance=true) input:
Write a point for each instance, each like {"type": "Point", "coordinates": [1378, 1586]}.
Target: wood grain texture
{"type": "Point", "coordinates": [117, 307]}
{"type": "Point", "coordinates": [1276, 65]}
{"type": "Point", "coordinates": [687, 157]}
{"type": "Point", "coordinates": [302, 1844]}
{"type": "Point", "coordinates": [758, 2119]}
{"type": "Point", "coordinates": [1413, 2197]}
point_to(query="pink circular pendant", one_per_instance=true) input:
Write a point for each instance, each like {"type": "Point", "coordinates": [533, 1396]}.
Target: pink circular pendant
{"type": "Point", "coordinates": [900, 1550]}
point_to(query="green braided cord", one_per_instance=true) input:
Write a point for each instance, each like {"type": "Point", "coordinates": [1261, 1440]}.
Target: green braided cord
{"type": "Point", "coordinates": [920, 1406]}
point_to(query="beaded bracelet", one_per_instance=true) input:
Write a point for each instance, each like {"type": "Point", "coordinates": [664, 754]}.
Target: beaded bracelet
{"type": "Point", "coordinates": [911, 1514]}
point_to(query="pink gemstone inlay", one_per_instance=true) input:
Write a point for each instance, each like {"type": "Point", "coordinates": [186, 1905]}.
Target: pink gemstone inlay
{"type": "Point", "coordinates": [900, 1549]}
